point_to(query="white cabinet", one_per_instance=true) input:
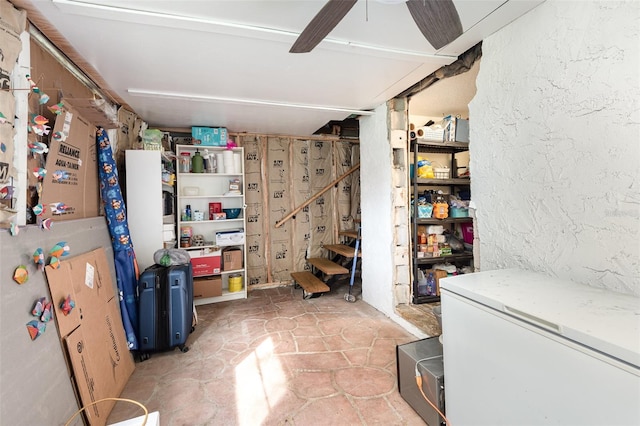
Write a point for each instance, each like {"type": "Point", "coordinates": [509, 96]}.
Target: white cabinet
{"type": "Point", "coordinates": [199, 191]}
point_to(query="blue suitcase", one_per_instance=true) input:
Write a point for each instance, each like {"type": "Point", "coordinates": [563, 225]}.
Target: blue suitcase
{"type": "Point", "coordinates": [165, 308]}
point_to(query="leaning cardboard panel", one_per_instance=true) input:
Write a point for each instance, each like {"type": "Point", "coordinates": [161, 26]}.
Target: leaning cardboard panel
{"type": "Point", "coordinates": [92, 335]}
{"type": "Point", "coordinates": [70, 188]}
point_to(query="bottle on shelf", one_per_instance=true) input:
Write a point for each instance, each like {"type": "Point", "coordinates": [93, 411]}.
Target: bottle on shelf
{"type": "Point", "coordinates": [184, 164]}
{"type": "Point", "coordinates": [422, 283]}
{"type": "Point", "coordinates": [197, 163]}
{"type": "Point", "coordinates": [187, 211]}
{"type": "Point", "coordinates": [209, 161]}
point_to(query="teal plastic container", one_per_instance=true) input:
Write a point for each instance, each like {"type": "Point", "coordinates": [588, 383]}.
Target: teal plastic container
{"type": "Point", "coordinates": [459, 212]}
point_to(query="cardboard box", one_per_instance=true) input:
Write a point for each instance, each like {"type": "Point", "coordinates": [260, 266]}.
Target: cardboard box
{"type": "Point", "coordinates": [231, 259]}
{"type": "Point", "coordinates": [209, 136]}
{"type": "Point", "coordinates": [70, 189]}
{"type": "Point", "coordinates": [92, 334]}
{"type": "Point", "coordinates": [205, 262]}
{"type": "Point", "coordinates": [230, 238]}
{"type": "Point", "coordinates": [207, 287]}
{"type": "Point", "coordinates": [456, 129]}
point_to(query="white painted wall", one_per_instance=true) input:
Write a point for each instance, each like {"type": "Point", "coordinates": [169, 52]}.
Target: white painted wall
{"type": "Point", "coordinates": [555, 156]}
{"type": "Point", "coordinates": [376, 207]}
{"type": "Point", "coordinates": [379, 218]}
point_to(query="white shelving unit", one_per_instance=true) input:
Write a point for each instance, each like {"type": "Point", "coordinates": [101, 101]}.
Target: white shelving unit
{"type": "Point", "coordinates": [212, 188]}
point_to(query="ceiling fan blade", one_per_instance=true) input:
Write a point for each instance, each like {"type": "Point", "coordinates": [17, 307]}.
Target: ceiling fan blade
{"type": "Point", "coordinates": [438, 20]}
{"type": "Point", "coordinates": [321, 25]}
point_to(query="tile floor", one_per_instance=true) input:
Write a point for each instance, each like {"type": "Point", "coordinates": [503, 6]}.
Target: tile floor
{"type": "Point", "coordinates": [277, 359]}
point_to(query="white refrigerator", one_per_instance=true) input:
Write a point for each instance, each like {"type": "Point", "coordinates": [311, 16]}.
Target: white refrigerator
{"type": "Point", "coordinates": [521, 348]}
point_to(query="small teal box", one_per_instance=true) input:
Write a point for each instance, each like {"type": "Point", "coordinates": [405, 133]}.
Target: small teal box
{"type": "Point", "coordinates": [209, 136]}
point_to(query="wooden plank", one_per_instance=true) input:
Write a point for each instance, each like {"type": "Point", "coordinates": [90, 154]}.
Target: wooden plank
{"type": "Point", "coordinates": [327, 266]}
{"type": "Point", "coordinates": [262, 141]}
{"type": "Point", "coordinates": [351, 233]}
{"type": "Point", "coordinates": [342, 249]}
{"type": "Point", "coordinates": [309, 282]}
{"type": "Point", "coordinates": [316, 196]}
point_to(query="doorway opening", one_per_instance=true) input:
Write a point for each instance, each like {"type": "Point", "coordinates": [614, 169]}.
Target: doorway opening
{"type": "Point", "coordinates": [433, 104]}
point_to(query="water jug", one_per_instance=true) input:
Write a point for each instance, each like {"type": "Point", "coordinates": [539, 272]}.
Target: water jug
{"type": "Point", "coordinates": [197, 163]}
{"type": "Point", "coordinates": [422, 284]}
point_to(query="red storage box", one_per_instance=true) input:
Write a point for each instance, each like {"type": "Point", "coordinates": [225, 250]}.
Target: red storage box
{"type": "Point", "coordinates": [205, 262]}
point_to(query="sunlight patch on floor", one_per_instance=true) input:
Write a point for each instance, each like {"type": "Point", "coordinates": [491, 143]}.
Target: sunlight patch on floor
{"type": "Point", "coordinates": [260, 384]}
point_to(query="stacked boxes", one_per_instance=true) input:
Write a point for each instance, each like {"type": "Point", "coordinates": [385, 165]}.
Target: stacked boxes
{"type": "Point", "coordinates": [432, 242]}
{"type": "Point", "coordinates": [205, 262]}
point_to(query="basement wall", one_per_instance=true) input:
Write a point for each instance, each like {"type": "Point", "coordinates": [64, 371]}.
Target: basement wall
{"type": "Point", "coordinates": [554, 144]}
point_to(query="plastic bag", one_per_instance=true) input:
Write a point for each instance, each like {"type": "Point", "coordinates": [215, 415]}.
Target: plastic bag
{"type": "Point", "coordinates": [152, 139]}
{"type": "Point", "coordinates": [454, 243]}
{"type": "Point", "coordinates": [425, 169]}
{"type": "Point", "coordinates": [170, 257]}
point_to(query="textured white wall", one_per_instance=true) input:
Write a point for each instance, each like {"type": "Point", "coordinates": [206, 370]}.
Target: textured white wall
{"type": "Point", "coordinates": [555, 155]}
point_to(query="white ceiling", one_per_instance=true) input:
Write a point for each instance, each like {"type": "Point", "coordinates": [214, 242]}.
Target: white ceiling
{"type": "Point", "coordinates": [226, 63]}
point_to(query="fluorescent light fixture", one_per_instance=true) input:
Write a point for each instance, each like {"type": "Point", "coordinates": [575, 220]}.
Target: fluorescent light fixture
{"type": "Point", "coordinates": [193, 23]}
{"type": "Point", "coordinates": [223, 99]}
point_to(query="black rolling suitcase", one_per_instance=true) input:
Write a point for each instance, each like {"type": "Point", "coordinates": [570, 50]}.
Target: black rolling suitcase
{"type": "Point", "coordinates": [165, 308]}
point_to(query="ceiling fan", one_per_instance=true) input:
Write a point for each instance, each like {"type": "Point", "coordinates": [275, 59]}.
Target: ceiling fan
{"type": "Point", "coordinates": [438, 21]}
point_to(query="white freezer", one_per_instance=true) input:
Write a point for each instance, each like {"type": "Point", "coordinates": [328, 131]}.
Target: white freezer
{"type": "Point", "coordinates": [522, 348]}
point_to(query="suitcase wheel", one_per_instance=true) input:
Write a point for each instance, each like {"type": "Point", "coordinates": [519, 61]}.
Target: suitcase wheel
{"type": "Point", "coordinates": [183, 348]}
